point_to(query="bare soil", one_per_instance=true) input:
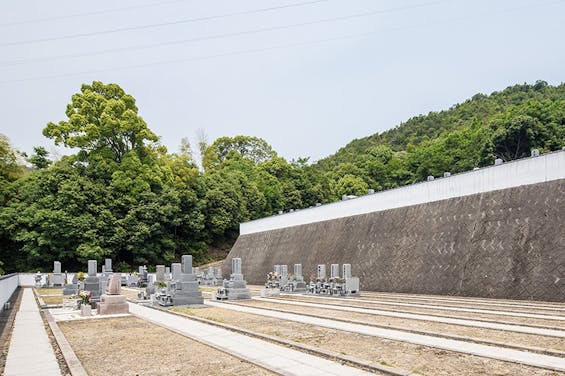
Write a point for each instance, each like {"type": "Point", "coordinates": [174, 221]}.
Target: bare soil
{"type": "Point", "coordinates": [131, 346]}
{"type": "Point", "coordinates": [418, 359]}
{"type": "Point", "coordinates": [419, 325]}
{"type": "Point", "coordinates": [49, 291]}
{"type": "Point", "coordinates": [439, 311]}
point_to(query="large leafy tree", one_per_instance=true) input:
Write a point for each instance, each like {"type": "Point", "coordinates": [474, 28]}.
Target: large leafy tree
{"type": "Point", "coordinates": [102, 119]}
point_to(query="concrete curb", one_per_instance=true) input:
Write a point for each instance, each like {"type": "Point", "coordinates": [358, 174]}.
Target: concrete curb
{"type": "Point", "coordinates": [327, 354]}
{"type": "Point", "coordinates": [539, 350]}
{"type": "Point", "coordinates": [74, 364]}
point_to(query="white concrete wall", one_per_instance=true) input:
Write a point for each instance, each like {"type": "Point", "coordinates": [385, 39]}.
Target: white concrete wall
{"type": "Point", "coordinates": [513, 174]}
{"type": "Point", "coordinates": [8, 285]}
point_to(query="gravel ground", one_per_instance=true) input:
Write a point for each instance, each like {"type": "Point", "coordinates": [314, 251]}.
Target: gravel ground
{"type": "Point", "coordinates": [131, 346]}
{"type": "Point", "coordinates": [480, 333]}
{"type": "Point", "coordinates": [420, 359]}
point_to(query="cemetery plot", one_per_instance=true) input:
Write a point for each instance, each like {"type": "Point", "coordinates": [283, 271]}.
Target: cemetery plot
{"type": "Point", "coordinates": [509, 318]}
{"type": "Point", "coordinates": [417, 358]}
{"type": "Point", "coordinates": [131, 346]}
{"type": "Point", "coordinates": [51, 296]}
{"type": "Point", "coordinates": [519, 339]}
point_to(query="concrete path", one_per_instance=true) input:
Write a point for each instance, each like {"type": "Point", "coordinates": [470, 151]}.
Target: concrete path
{"type": "Point", "coordinates": [445, 308]}
{"type": "Point", "coordinates": [420, 316]}
{"type": "Point", "coordinates": [268, 355]}
{"type": "Point", "coordinates": [516, 356]}
{"type": "Point", "coordinates": [30, 352]}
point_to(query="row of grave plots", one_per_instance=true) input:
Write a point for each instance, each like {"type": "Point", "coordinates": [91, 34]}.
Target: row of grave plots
{"type": "Point", "coordinates": [375, 332]}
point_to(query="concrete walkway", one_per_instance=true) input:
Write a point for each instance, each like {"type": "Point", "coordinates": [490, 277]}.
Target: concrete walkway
{"type": "Point", "coordinates": [446, 308]}
{"type": "Point", "coordinates": [30, 352]}
{"type": "Point", "coordinates": [268, 355]}
{"type": "Point", "coordinates": [516, 356]}
{"type": "Point", "coordinates": [423, 317]}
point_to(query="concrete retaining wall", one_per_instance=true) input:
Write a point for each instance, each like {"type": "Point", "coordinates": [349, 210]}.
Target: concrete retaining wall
{"type": "Point", "coordinates": [8, 284]}
{"type": "Point", "coordinates": [540, 169]}
{"type": "Point", "coordinates": [507, 243]}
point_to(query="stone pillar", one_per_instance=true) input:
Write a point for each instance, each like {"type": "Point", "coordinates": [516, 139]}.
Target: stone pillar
{"type": "Point", "coordinates": [321, 271]}
{"type": "Point", "coordinates": [160, 273]}
{"type": "Point", "coordinates": [334, 271]}
{"type": "Point", "coordinates": [186, 262]}
{"type": "Point", "coordinates": [92, 282]}
{"type": "Point", "coordinates": [297, 270]}
{"type": "Point", "coordinates": [346, 271]}
{"type": "Point", "coordinates": [277, 269]}
{"type": "Point", "coordinates": [56, 278]}
{"type": "Point", "coordinates": [108, 265]}
{"type": "Point", "coordinates": [236, 265]}
{"type": "Point", "coordinates": [57, 267]}
{"type": "Point", "coordinates": [176, 269]}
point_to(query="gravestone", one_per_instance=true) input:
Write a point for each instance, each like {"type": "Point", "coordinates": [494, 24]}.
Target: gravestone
{"type": "Point", "coordinates": [321, 272]}
{"type": "Point", "coordinates": [92, 282]}
{"type": "Point", "coordinates": [236, 287]}
{"type": "Point", "coordinates": [334, 271]}
{"type": "Point", "coordinates": [186, 289]}
{"type": "Point", "coordinates": [105, 275]}
{"type": "Point", "coordinates": [108, 265]}
{"type": "Point", "coordinates": [176, 271]}
{"type": "Point", "coordinates": [57, 277]}
{"type": "Point", "coordinates": [160, 273]}
{"type": "Point", "coordinates": [167, 273]}
{"type": "Point", "coordinates": [112, 302]}
{"type": "Point", "coordinates": [71, 288]}
{"type": "Point", "coordinates": [298, 279]}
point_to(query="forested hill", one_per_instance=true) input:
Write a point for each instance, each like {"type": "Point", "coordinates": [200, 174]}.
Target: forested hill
{"type": "Point", "coordinates": [124, 196]}
{"type": "Point", "coordinates": [505, 124]}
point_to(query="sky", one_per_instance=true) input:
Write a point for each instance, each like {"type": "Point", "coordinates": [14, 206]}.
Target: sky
{"type": "Point", "coordinates": [308, 76]}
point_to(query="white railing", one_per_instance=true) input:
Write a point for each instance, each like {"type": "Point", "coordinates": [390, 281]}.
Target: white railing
{"type": "Point", "coordinates": [8, 284]}
{"type": "Point", "coordinates": [526, 171]}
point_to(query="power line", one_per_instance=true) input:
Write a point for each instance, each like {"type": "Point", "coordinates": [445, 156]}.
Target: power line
{"type": "Point", "coordinates": [95, 13]}
{"type": "Point", "coordinates": [158, 25]}
{"type": "Point", "coordinates": [264, 49]}
{"type": "Point", "coordinates": [217, 36]}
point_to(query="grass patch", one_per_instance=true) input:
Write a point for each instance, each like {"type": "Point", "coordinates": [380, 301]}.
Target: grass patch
{"type": "Point", "coordinates": [49, 291]}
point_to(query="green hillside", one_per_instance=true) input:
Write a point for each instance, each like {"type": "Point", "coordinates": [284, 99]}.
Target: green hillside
{"type": "Point", "coordinates": [505, 124]}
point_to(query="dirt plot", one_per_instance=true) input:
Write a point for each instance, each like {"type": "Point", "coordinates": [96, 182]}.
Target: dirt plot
{"type": "Point", "coordinates": [50, 291]}
{"type": "Point", "coordinates": [467, 331]}
{"type": "Point", "coordinates": [418, 359]}
{"type": "Point", "coordinates": [131, 346]}
{"type": "Point", "coordinates": [53, 300]}
{"type": "Point", "coordinates": [428, 311]}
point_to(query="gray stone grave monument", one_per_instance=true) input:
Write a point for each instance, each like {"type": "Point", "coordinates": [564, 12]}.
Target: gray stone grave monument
{"type": "Point", "coordinates": [92, 282]}
{"type": "Point", "coordinates": [298, 284]}
{"type": "Point", "coordinates": [57, 277]}
{"type": "Point", "coordinates": [334, 271]}
{"type": "Point", "coordinates": [160, 273]}
{"type": "Point", "coordinates": [236, 287]}
{"type": "Point", "coordinates": [186, 291]}
{"type": "Point", "coordinates": [71, 288]}
{"type": "Point", "coordinates": [112, 302]}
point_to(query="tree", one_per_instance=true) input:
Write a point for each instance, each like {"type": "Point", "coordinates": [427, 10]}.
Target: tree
{"type": "Point", "coordinates": [255, 149]}
{"type": "Point", "coordinates": [39, 159]}
{"type": "Point", "coordinates": [102, 119]}
{"type": "Point", "coordinates": [10, 166]}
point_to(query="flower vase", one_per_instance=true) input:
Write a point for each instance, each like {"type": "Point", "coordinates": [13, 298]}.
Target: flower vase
{"type": "Point", "coordinates": [85, 310]}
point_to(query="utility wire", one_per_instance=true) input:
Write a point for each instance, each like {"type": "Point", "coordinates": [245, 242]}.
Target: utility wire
{"type": "Point", "coordinates": [95, 13]}
{"type": "Point", "coordinates": [159, 25]}
{"type": "Point", "coordinates": [213, 37]}
{"type": "Point", "coordinates": [264, 49]}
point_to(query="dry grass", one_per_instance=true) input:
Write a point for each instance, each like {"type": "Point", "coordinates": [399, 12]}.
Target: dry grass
{"type": "Point", "coordinates": [131, 346]}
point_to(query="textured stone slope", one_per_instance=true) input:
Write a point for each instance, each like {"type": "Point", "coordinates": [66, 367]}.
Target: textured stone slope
{"type": "Point", "coordinates": [501, 244]}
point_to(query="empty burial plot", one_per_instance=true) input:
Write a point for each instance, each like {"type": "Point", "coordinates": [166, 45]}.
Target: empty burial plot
{"type": "Point", "coordinates": [131, 346]}
{"type": "Point", "coordinates": [51, 296]}
{"type": "Point", "coordinates": [550, 321]}
{"type": "Point", "coordinates": [527, 309]}
{"type": "Point", "coordinates": [440, 329]}
{"type": "Point", "coordinates": [417, 358]}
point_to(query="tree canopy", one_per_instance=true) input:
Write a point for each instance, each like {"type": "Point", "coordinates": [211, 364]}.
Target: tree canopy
{"type": "Point", "coordinates": [124, 196]}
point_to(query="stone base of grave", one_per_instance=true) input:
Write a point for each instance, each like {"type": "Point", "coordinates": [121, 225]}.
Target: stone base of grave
{"type": "Point", "coordinates": [238, 293]}
{"type": "Point", "coordinates": [187, 298]}
{"type": "Point", "coordinates": [265, 293]}
{"type": "Point", "coordinates": [70, 289]}
{"type": "Point", "coordinates": [300, 287]}
{"type": "Point", "coordinates": [112, 304]}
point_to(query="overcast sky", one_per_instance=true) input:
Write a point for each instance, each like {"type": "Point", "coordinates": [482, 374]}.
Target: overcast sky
{"type": "Point", "coordinates": [307, 76]}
